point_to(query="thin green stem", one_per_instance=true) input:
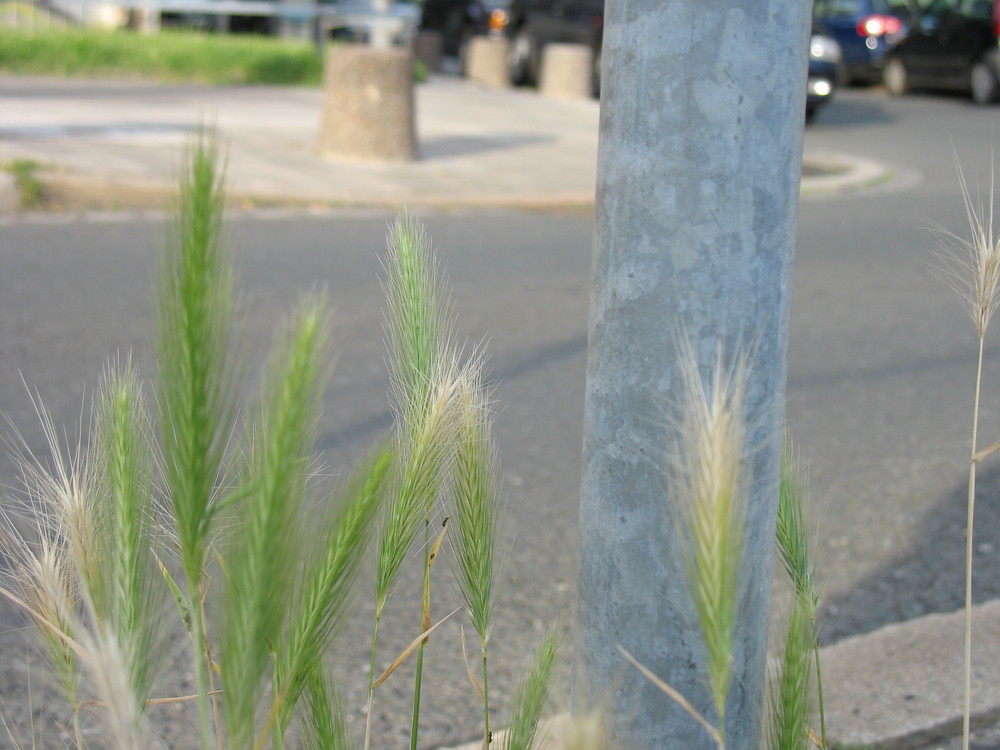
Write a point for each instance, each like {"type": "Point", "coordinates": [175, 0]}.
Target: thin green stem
{"type": "Point", "coordinates": [415, 719]}
{"type": "Point", "coordinates": [425, 624]}
{"type": "Point", "coordinates": [199, 649]}
{"type": "Point", "coordinates": [819, 689]}
{"type": "Point", "coordinates": [212, 692]}
{"type": "Point", "coordinates": [971, 508]}
{"type": "Point", "coordinates": [77, 732]}
{"type": "Point", "coordinates": [488, 733]}
{"type": "Point", "coordinates": [371, 675]}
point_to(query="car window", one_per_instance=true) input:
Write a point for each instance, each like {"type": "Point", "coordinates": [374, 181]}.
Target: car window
{"type": "Point", "coordinates": [937, 7]}
{"type": "Point", "coordinates": [900, 9]}
{"type": "Point", "coordinates": [981, 10]}
{"type": "Point", "coordinates": [835, 8]}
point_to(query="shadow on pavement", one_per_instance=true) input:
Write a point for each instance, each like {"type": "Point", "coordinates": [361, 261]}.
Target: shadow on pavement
{"type": "Point", "coordinates": [451, 147]}
{"type": "Point", "coordinates": [366, 430]}
{"type": "Point", "coordinates": [929, 577]}
{"type": "Point", "coordinates": [102, 130]}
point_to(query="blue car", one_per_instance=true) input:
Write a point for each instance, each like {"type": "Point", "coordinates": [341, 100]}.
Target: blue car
{"type": "Point", "coordinates": [824, 72]}
{"type": "Point", "coordinates": [866, 30]}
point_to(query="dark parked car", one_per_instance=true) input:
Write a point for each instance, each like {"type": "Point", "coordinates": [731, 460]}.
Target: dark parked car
{"type": "Point", "coordinates": [459, 20]}
{"type": "Point", "coordinates": [535, 23]}
{"type": "Point", "coordinates": [953, 45]}
{"type": "Point", "coordinates": [824, 72]}
{"type": "Point", "coordinates": [866, 31]}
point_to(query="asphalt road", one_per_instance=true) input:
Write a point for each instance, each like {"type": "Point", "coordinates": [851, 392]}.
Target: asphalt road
{"type": "Point", "coordinates": [879, 391]}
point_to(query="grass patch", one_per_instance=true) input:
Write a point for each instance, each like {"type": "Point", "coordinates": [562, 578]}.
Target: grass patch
{"type": "Point", "coordinates": [29, 187]}
{"type": "Point", "coordinates": [168, 56]}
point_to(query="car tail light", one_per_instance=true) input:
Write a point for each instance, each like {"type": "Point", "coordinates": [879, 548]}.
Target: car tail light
{"type": "Point", "coordinates": [498, 20]}
{"type": "Point", "coordinates": [996, 20]}
{"type": "Point", "coordinates": [879, 26]}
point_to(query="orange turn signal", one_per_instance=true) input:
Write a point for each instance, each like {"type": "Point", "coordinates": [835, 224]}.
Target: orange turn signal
{"type": "Point", "coordinates": [499, 20]}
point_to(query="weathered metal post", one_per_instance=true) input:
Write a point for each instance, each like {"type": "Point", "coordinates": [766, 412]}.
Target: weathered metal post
{"type": "Point", "coordinates": [698, 174]}
{"type": "Point", "coordinates": [381, 32]}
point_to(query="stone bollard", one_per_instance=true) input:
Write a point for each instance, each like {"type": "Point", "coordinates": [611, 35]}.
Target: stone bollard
{"type": "Point", "coordinates": [428, 48]}
{"type": "Point", "coordinates": [368, 104]}
{"type": "Point", "coordinates": [487, 61]}
{"type": "Point", "coordinates": [10, 193]}
{"type": "Point", "coordinates": [567, 71]}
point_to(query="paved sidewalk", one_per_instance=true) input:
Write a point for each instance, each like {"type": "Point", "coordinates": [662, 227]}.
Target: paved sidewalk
{"type": "Point", "coordinates": [108, 144]}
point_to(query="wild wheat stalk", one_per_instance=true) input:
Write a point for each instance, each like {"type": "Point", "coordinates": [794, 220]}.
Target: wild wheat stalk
{"type": "Point", "coordinates": [475, 508]}
{"type": "Point", "coordinates": [264, 557]}
{"type": "Point", "coordinates": [531, 695]}
{"type": "Point", "coordinates": [792, 686]}
{"type": "Point", "coordinates": [711, 500]}
{"type": "Point", "coordinates": [328, 585]}
{"type": "Point", "coordinates": [197, 383]}
{"type": "Point", "coordinates": [793, 551]}
{"type": "Point", "coordinates": [424, 377]}
{"type": "Point", "coordinates": [325, 726]}
{"type": "Point", "coordinates": [134, 590]}
{"type": "Point", "coordinates": [972, 267]}
{"type": "Point", "coordinates": [86, 577]}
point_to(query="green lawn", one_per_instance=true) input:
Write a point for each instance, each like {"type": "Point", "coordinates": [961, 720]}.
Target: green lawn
{"type": "Point", "coordinates": [168, 56]}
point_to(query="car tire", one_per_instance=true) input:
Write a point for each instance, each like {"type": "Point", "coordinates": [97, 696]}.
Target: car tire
{"type": "Point", "coordinates": [983, 84]}
{"type": "Point", "coordinates": [522, 60]}
{"type": "Point", "coordinates": [895, 77]}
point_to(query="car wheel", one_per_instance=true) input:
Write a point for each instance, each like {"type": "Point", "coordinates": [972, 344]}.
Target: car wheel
{"type": "Point", "coordinates": [983, 84]}
{"type": "Point", "coordinates": [522, 59]}
{"type": "Point", "coordinates": [895, 78]}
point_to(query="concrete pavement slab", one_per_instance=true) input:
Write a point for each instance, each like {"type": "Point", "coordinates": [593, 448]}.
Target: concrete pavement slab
{"type": "Point", "coordinates": [108, 144]}
{"type": "Point", "coordinates": [897, 688]}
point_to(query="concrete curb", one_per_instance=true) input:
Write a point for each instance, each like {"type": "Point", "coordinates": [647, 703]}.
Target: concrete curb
{"type": "Point", "coordinates": [840, 173]}
{"type": "Point", "coordinates": [66, 191]}
{"type": "Point", "coordinates": [897, 688]}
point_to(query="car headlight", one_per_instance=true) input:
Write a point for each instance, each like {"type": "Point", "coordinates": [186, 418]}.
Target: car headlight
{"type": "Point", "coordinates": [824, 48]}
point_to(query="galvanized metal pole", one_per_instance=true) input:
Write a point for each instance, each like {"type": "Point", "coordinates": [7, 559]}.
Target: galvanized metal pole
{"type": "Point", "coordinates": [381, 30]}
{"type": "Point", "coordinates": [700, 151]}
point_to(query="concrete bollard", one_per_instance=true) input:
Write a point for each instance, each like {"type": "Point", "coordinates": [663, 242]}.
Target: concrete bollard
{"type": "Point", "coordinates": [368, 108]}
{"type": "Point", "coordinates": [10, 193]}
{"type": "Point", "coordinates": [567, 71]}
{"type": "Point", "coordinates": [428, 48]}
{"type": "Point", "coordinates": [487, 61]}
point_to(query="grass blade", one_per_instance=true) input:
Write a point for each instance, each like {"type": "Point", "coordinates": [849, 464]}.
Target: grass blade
{"type": "Point", "coordinates": [408, 651]}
